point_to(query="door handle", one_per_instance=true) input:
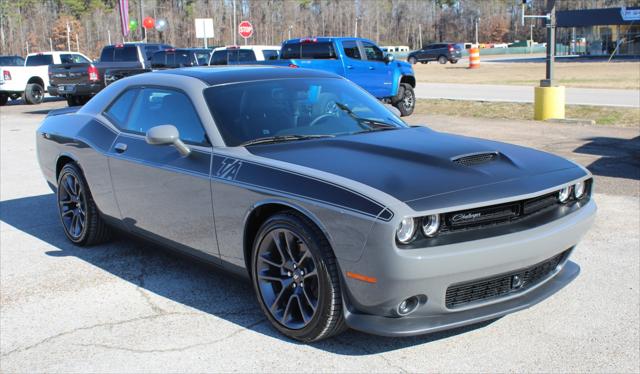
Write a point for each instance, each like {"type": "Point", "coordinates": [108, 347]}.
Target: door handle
{"type": "Point", "coordinates": [349, 67]}
{"type": "Point", "coordinates": [120, 147]}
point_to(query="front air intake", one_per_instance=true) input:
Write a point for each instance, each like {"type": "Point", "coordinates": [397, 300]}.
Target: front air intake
{"type": "Point", "coordinates": [475, 158]}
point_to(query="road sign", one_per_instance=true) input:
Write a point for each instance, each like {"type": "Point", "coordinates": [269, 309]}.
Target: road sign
{"type": "Point", "coordinates": [204, 28]}
{"type": "Point", "coordinates": [245, 29]}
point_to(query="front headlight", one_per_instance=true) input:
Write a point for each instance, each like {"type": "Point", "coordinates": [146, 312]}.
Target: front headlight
{"type": "Point", "coordinates": [406, 230]}
{"type": "Point", "coordinates": [431, 225]}
{"type": "Point", "coordinates": [563, 195]}
{"type": "Point", "coordinates": [579, 189]}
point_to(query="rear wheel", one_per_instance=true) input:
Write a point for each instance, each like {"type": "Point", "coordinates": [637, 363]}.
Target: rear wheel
{"type": "Point", "coordinates": [78, 212]}
{"type": "Point", "coordinates": [454, 61]}
{"type": "Point", "coordinates": [442, 60]}
{"type": "Point", "coordinates": [295, 276]}
{"type": "Point", "coordinates": [72, 101]}
{"type": "Point", "coordinates": [3, 99]}
{"type": "Point", "coordinates": [407, 102]}
{"type": "Point", "coordinates": [34, 93]}
{"type": "Point", "coordinates": [412, 60]}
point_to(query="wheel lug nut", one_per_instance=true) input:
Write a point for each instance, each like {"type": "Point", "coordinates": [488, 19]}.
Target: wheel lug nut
{"type": "Point", "coordinates": [301, 284]}
{"type": "Point", "coordinates": [294, 285]}
{"type": "Point", "coordinates": [301, 272]}
{"type": "Point", "coordinates": [295, 266]}
{"type": "Point", "coordinates": [288, 273]}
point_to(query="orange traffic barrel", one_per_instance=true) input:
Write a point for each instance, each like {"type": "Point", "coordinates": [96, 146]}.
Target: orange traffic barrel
{"type": "Point", "coordinates": [474, 58]}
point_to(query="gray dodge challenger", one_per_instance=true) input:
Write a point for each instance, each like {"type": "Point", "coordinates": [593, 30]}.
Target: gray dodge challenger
{"type": "Point", "coordinates": [339, 213]}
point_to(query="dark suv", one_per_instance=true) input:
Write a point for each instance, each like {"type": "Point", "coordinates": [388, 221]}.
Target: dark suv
{"type": "Point", "coordinates": [180, 57]}
{"type": "Point", "coordinates": [441, 52]}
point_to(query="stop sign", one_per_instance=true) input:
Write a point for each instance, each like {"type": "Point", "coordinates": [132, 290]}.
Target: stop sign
{"type": "Point", "coordinates": [245, 28]}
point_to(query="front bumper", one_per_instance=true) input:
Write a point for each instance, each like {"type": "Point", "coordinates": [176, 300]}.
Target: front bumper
{"type": "Point", "coordinates": [75, 89]}
{"type": "Point", "coordinates": [429, 272]}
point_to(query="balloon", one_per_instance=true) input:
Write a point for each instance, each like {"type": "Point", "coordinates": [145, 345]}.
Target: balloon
{"type": "Point", "coordinates": [133, 25]}
{"type": "Point", "coordinates": [161, 24]}
{"type": "Point", "coordinates": [148, 22]}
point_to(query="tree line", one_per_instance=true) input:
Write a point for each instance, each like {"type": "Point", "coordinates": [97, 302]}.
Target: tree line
{"type": "Point", "coordinates": [88, 25]}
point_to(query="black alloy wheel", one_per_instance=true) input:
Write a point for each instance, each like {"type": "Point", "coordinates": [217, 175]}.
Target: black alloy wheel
{"type": "Point", "coordinates": [72, 202]}
{"type": "Point", "coordinates": [288, 278]}
{"type": "Point", "coordinates": [78, 212]}
{"type": "Point", "coordinates": [296, 278]}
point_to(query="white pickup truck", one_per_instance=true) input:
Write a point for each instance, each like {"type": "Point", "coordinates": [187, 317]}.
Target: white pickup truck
{"type": "Point", "coordinates": [31, 80]}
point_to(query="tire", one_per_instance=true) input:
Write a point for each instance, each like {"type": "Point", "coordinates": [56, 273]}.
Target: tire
{"type": "Point", "coordinates": [442, 60]}
{"type": "Point", "coordinates": [72, 101]}
{"type": "Point", "coordinates": [3, 99]}
{"type": "Point", "coordinates": [33, 94]}
{"type": "Point", "coordinates": [278, 276]}
{"type": "Point", "coordinates": [412, 60]}
{"type": "Point", "coordinates": [407, 103]}
{"type": "Point", "coordinates": [454, 61]}
{"type": "Point", "coordinates": [79, 215]}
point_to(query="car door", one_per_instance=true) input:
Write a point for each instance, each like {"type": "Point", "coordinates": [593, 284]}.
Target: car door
{"type": "Point", "coordinates": [380, 72]}
{"type": "Point", "coordinates": [355, 67]}
{"type": "Point", "coordinates": [161, 194]}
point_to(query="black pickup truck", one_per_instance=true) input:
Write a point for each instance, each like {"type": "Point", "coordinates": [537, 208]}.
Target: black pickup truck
{"type": "Point", "coordinates": [78, 82]}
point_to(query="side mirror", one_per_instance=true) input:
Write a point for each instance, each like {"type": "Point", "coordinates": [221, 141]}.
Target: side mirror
{"type": "Point", "coordinates": [388, 58]}
{"type": "Point", "coordinates": [167, 135]}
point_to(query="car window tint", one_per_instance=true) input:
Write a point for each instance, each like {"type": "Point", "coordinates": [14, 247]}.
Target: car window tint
{"type": "Point", "coordinates": [11, 61]}
{"type": "Point", "coordinates": [107, 54]}
{"type": "Point", "coordinates": [202, 58]}
{"type": "Point", "coordinates": [350, 48]}
{"type": "Point", "coordinates": [270, 54]}
{"type": "Point", "coordinates": [72, 58]}
{"type": "Point", "coordinates": [309, 50]}
{"type": "Point", "coordinates": [119, 109]}
{"type": "Point", "coordinates": [373, 52]}
{"type": "Point", "coordinates": [126, 53]}
{"type": "Point", "coordinates": [242, 55]}
{"type": "Point", "coordinates": [38, 60]}
{"type": "Point", "coordinates": [157, 106]}
{"type": "Point", "coordinates": [219, 57]}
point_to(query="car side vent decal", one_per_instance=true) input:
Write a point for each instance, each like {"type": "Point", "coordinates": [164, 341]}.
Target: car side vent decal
{"type": "Point", "coordinates": [475, 158]}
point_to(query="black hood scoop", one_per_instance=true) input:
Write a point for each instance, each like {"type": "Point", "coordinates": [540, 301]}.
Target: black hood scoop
{"type": "Point", "coordinates": [475, 158]}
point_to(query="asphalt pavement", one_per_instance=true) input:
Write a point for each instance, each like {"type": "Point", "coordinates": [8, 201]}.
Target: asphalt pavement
{"type": "Point", "coordinates": [129, 306]}
{"type": "Point", "coordinates": [525, 94]}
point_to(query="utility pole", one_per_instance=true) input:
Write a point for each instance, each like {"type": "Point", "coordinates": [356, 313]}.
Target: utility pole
{"type": "Point", "coordinates": [235, 24]}
{"type": "Point", "coordinates": [356, 30]}
{"type": "Point", "coordinates": [78, 42]}
{"type": "Point", "coordinates": [109, 36]}
{"type": "Point", "coordinates": [290, 27]}
{"type": "Point", "coordinates": [68, 37]}
{"type": "Point", "coordinates": [50, 44]}
{"type": "Point", "coordinates": [420, 34]}
{"type": "Point", "coordinates": [142, 29]}
{"type": "Point", "coordinates": [477, 20]}
{"type": "Point", "coordinates": [551, 44]}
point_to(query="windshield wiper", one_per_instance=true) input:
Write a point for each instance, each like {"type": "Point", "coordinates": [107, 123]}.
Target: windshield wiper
{"type": "Point", "coordinates": [368, 124]}
{"type": "Point", "coordinates": [282, 138]}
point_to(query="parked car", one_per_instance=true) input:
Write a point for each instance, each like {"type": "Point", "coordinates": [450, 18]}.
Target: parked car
{"type": "Point", "coordinates": [441, 52]}
{"type": "Point", "coordinates": [359, 60]}
{"type": "Point", "coordinates": [180, 57]}
{"type": "Point", "coordinates": [338, 212]}
{"type": "Point", "coordinates": [243, 54]}
{"type": "Point", "coordinates": [30, 80]}
{"type": "Point", "coordinates": [78, 81]}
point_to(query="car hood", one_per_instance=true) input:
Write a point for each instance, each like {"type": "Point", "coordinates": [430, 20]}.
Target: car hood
{"type": "Point", "coordinates": [416, 164]}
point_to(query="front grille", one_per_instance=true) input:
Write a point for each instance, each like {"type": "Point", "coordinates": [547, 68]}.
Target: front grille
{"type": "Point", "coordinates": [502, 285]}
{"type": "Point", "coordinates": [497, 214]}
{"type": "Point", "coordinates": [475, 159]}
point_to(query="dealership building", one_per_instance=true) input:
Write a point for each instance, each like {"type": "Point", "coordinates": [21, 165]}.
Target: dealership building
{"type": "Point", "coordinates": [598, 32]}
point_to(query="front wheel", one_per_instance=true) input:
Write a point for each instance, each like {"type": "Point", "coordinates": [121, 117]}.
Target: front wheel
{"type": "Point", "coordinates": [33, 94]}
{"type": "Point", "coordinates": [407, 102]}
{"type": "Point", "coordinates": [78, 212]}
{"type": "Point", "coordinates": [295, 276]}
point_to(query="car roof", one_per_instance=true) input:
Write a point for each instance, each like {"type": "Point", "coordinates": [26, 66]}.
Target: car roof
{"type": "Point", "coordinates": [325, 39]}
{"type": "Point", "coordinates": [252, 47]}
{"type": "Point", "coordinates": [215, 75]}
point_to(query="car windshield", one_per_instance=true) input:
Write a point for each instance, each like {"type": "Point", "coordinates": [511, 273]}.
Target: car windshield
{"type": "Point", "coordinates": [295, 109]}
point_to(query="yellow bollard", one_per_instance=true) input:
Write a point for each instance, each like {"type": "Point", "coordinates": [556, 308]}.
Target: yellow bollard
{"type": "Point", "coordinates": [548, 103]}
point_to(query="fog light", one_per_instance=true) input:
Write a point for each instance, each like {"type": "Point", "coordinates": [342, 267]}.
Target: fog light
{"type": "Point", "coordinates": [579, 190]}
{"type": "Point", "coordinates": [408, 306]}
{"type": "Point", "coordinates": [563, 195]}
